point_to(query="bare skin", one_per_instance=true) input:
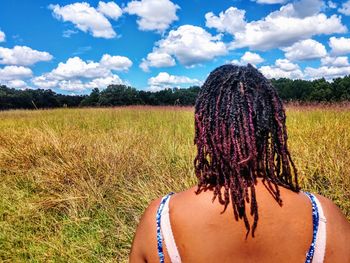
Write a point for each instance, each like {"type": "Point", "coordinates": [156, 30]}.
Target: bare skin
{"type": "Point", "coordinates": [204, 234]}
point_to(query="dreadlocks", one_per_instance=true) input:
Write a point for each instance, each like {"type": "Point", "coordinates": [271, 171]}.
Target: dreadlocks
{"type": "Point", "coordinates": [240, 134]}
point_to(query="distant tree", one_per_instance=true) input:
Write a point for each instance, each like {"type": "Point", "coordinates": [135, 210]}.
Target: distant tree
{"type": "Point", "coordinates": [118, 95]}
{"type": "Point", "coordinates": [93, 99]}
{"type": "Point", "coordinates": [322, 90]}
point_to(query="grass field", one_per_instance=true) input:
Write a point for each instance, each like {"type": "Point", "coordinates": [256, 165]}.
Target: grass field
{"type": "Point", "coordinates": [74, 182]}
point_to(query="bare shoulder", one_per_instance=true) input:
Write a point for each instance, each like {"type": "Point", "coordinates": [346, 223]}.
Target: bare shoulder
{"type": "Point", "coordinates": [338, 231]}
{"type": "Point", "coordinates": [333, 211]}
{"type": "Point", "coordinates": [145, 235]}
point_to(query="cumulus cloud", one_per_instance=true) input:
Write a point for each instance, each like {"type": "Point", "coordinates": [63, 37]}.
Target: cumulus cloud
{"type": "Point", "coordinates": [22, 55]}
{"type": "Point", "coordinates": [15, 76]}
{"type": "Point", "coordinates": [249, 57]}
{"type": "Point", "coordinates": [77, 75]}
{"type": "Point", "coordinates": [110, 9]}
{"type": "Point", "coordinates": [190, 45]}
{"type": "Point", "coordinates": [275, 32]}
{"type": "Point", "coordinates": [340, 45]}
{"type": "Point", "coordinates": [327, 72]}
{"type": "Point", "coordinates": [283, 68]}
{"type": "Point", "coordinates": [76, 67]}
{"type": "Point", "coordinates": [335, 61]}
{"type": "Point", "coordinates": [89, 19]}
{"type": "Point", "coordinates": [345, 8]}
{"type": "Point", "coordinates": [305, 50]}
{"type": "Point", "coordinates": [157, 59]}
{"type": "Point", "coordinates": [153, 14]}
{"type": "Point", "coordinates": [14, 72]}
{"type": "Point", "coordinates": [230, 21]}
{"type": "Point", "coordinates": [17, 84]}
{"type": "Point", "coordinates": [165, 80]}
{"type": "Point", "coordinates": [2, 36]}
{"type": "Point", "coordinates": [293, 22]}
{"type": "Point", "coordinates": [118, 63]}
{"type": "Point", "coordinates": [78, 85]}
{"type": "Point", "coordinates": [305, 8]}
{"type": "Point", "coordinates": [44, 81]}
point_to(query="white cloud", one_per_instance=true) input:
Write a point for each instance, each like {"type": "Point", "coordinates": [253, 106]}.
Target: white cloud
{"type": "Point", "coordinates": [76, 67]}
{"type": "Point", "coordinates": [14, 72]}
{"type": "Point", "coordinates": [249, 57]}
{"type": "Point", "coordinates": [165, 80]}
{"type": "Point", "coordinates": [22, 55]}
{"type": "Point", "coordinates": [78, 85]}
{"type": "Point", "coordinates": [17, 84]}
{"type": "Point", "coordinates": [86, 18]}
{"type": "Point", "coordinates": [44, 81]}
{"type": "Point", "coordinates": [331, 5]}
{"type": "Point", "coordinates": [230, 21]}
{"type": "Point", "coordinates": [286, 65]}
{"type": "Point", "coordinates": [118, 63]}
{"type": "Point", "coordinates": [326, 72]}
{"type": "Point", "coordinates": [72, 85]}
{"type": "Point", "coordinates": [190, 45]}
{"type": "Point", "coordinates": [13, 76]}
{"type": "Point", "coordinates": [270, 2]}
{"type": "Point", "coordinates": [77, 75]}
{"type": "Point", "coordinates": [2, 36]}
{"type": "Point", "coordinates": [157, 59]}
{"type": "Point", "coordinates": [345, 8]}
{"type": "Point", "coordinates": [305, 8]}
{"type": "Point", "coordinates": [283, 68]}
{"type": "Point", "coordinates": [335, 61]}
{"type": "Point", "coordinates": [339, 45]}
{"type": "Point", "coordinates": [110, 9]}
{"type": "Point", "coordinates": [104, 82]}
{"type": "Point", "coordinates": [305, 50]}
{"type": "Point", "coordinates": [153, 14]}
{"type": "Point", "coordinates": [291, 23]}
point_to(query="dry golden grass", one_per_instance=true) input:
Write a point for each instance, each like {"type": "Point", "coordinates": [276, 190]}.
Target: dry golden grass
{"type": "Point", "coordinates": [74, 182]}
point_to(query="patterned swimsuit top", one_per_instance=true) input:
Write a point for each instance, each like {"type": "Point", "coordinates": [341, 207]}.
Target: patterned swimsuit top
{"type": "Point", "coordinates": [315, 253]}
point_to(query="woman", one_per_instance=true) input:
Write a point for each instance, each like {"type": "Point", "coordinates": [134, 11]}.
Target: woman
{"type": "Point", "coordinates": [247, 206]}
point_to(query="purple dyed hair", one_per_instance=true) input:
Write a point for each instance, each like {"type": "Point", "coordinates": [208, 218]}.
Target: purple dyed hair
{"type": "Point", "coordinates": [240, 134]}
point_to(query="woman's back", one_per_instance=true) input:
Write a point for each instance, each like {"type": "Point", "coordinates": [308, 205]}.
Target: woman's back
{"type": "Point", "coordinates": [241, 138]}
{"type": "Point", "coordinates": [203, 234]}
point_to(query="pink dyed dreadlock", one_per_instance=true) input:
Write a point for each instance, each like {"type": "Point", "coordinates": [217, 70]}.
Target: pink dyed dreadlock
{"type": "Point", "coordinates": [240, 134]}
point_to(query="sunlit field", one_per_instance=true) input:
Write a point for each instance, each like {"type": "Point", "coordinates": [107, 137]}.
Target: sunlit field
{"type": "Point", "coordinates": [74, 182]}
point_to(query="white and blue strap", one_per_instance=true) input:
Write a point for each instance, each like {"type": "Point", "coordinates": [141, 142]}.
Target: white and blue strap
{"type": "Point", "coordinates": [319, 235]}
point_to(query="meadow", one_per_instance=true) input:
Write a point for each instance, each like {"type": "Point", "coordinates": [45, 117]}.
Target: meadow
{"type": "Point", "coordinates": [74, 182]}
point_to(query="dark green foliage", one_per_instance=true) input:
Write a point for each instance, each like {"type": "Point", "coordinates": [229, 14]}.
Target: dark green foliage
{"type": "Point", "coordinates": [93, 99]}
{"type": "Point", "coordinates": [120, 95]}
{"type": "Point", "coordinates": [316, 90]}
{"type": "Point", "coordinates": [38, 98]}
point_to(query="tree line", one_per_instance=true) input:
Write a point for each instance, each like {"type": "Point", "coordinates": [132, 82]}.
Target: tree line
{"type": "Point", "coordinates": [318, 90]}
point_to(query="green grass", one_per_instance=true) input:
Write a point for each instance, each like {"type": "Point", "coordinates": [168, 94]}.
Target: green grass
{"type": "Point", "coordinates": [74, 182]}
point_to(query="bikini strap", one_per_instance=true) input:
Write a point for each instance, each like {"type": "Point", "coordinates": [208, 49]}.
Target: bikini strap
{"type": "Point", "coordinates": [158, 222]}
{"type": "Point", "coordinates": [319, 236]}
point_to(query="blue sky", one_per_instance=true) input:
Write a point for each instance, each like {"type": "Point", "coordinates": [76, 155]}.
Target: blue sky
{"type": "Point", "coordinates": [74, 46]}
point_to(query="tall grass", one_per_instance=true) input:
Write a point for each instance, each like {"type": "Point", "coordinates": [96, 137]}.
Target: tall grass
{"type": "Point", "coordinates": [74, 182]}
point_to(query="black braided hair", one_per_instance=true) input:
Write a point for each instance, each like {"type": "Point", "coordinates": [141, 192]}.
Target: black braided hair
{"type": "Point", "coordinates": [240, 134]}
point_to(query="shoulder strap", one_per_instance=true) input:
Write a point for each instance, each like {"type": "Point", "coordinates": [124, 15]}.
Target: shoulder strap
{"type": "Point", "coordinates": [165, 227]}
{"type": "Point", "coordinates": [168, 234]}
{"type": "Point", "coordinates": [321, 238]}
{"type": "Point", "coordinates": [318, 245]}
